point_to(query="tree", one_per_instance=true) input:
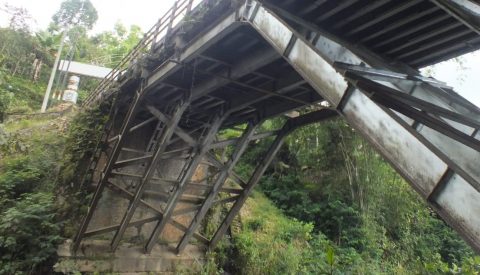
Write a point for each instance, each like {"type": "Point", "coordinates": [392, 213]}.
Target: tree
{"type": "Point", "coordinates": [20, 19]}
{"type": "Point", "coordinates": [116, 44]}
{"type": "Point", "coordinates": [5, 98]}
{"type": "Point", "coordinates": [44, 49]}
{"type": "Point", "coordinates": [77, 12]}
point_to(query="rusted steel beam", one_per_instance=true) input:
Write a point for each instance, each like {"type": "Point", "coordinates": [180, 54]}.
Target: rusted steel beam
{"type": "Point", "coordinates": [143, 123]}
{"type": "Point", "coordinates": [225, 143]}
{"type": "Point", "coordinates": [127, 123]}
{"type": "Point", "coordinates": [219, 181]}
{"type": "Point", "coordinates": [132, 161]}
{"type": "Point", "coordinates": [289, 126]}
{"type": "Point", "coordinates": [178, 131]}
{"type": "Point", "coordinates": [158, 212]}
{"type": "Point", "coordinates": [162, 145]}
{"type": "Point", "coordinates": [186, 176]}
{"type": "Point", "coordinates": [195, 208]}
{"type": "Point", "coordinates": [111, 228]}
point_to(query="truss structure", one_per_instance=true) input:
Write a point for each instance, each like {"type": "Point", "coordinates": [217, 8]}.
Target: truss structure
{"type": "Point", "coordinates": [254, 60]}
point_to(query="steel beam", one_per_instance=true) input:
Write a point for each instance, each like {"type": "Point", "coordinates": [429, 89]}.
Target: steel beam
{"type": "Point", "coordinates": [451, 151]}
{"type": "Point", "coordinates": [221, 29]}
{"type": "Point", "coordinates": [225, 79]}
{"type": "Point", "coordinates": [289, 126]}
{"type": "Point", "coordinates": [227, 142]}
{"type": "Point", "coordinates": [360, 12]}
{"type": "Point", "coordinates": [128, 121]}
{"type": "Point", "coordinates": [185, 177]}
{"type": "Point", "coordinates": [192, 209]}
{"type": "Point", "coordinates": [434, 154]}
{"type": "Point", "coordinates": [420, 116]}
{"type": "Point", "coordinates": [242, 68]}
{"type": "Point", "coordinates": [385, 15]}
{"type": "Point", "coordinates": [131, 161]}
{"type": "Point", "coordinates": [157, 211]}
{"type": "Point", "coordinates": [101, 143]}
{"type": "Point", "coordinates": [169, 130]}
{"type": "Point", "coordinates": [396, 95]}
{"type": "Point", "coordinates": [178, 131]}
{"type": "Point", "coordinates": [219, 181]}
{"type": "Point", "coordinates": [143, 123]}
{"type": "Point", "coordinates": [111, 228]}
{"type": "Point", "coordinates": [467, 12]}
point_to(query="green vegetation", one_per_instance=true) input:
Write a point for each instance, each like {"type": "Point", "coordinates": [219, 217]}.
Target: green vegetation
{"type": "Point", "coordinates": [343, 210]}
{"type": "Point", "coordinates": [30, 151]}
{"type": "Point", "coordinates": [328, 204]}
{"type": "Point", "coordinates": [41, 163]}
{"type": "Point", "coordinates": [80, 142]}
{"type": "Point", "coordinates": [38, 205]}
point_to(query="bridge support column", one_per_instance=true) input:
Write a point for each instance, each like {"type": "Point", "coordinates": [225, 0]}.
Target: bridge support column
{"type": "Point", "coordinates": [127, 123]}
{"type": "Point", "coordinates": [221, 177]}
{"type": "Point", "coordinates": [162, 143]}
{"type": "Point", "coordinates": [185, 177]}
{"type": "Point", "coordinates": [289, 126]}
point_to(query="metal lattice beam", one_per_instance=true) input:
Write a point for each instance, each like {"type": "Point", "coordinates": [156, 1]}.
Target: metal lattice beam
{"type": "Point", "coordinates": [222, 176]}
{"type": "Point", "coordinates": [289, 126]}
{"type": "Point", "coordinates": [171, 126]}
{"type": "Point", "coordinates": [187, 174]}
{"type": "Point", "coordinates": [127, 123]}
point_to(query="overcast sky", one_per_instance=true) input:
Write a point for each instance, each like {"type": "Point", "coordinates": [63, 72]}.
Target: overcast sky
{"type": "Point", "coordinates": [145, 13]}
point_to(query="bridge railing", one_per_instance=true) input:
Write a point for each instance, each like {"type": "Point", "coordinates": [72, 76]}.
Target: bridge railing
{"type": "Point", "coordinates": [161, 29]}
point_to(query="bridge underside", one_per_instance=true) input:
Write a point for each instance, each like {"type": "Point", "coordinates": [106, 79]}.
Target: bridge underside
{"type": "Point", "coordinates": [262, 59]}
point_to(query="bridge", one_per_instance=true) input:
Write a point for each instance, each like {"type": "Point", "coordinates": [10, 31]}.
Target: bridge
{"type": "Point", "coordinates": [225, 64]}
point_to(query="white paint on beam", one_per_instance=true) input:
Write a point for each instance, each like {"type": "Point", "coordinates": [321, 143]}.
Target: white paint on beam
{"type": "Point", "coordinates": [83, 69]}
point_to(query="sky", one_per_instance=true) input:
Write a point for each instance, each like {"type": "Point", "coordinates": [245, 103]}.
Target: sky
{"type": "Point", "coordinates": [463, 78]}
{"type": "Point", "coordinates": [145, 13]}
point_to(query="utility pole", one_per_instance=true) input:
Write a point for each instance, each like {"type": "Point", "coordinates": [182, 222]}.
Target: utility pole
{"type": "Point", "coordinates": [54, 71]}
{"type": "Point", "coordinates": [57, 59]}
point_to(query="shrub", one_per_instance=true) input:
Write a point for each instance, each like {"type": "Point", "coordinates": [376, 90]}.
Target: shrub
{"type": "Point", "coordinates": [19, 177]}
{"type": "Point", "coordinates": [28, 234]}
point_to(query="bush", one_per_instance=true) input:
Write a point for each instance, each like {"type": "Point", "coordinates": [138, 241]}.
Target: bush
{"type": "Point", "coordinates": [269, 242]}
{"type": "Point", "coordinates": [82, 137]}
{"type": "Point", "coordinates": [19, 177]}
{"type": "Point", "coordinates": [28, 234]}
{"type": "Point", "coordinates": [5, 98]}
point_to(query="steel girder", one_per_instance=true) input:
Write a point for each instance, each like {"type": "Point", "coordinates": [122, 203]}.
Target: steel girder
{"type": "Point", "coordinates": [127, 123]}
{"type": "Point", "coordinates": [240, 148]}
{"type": "Point", "coordinates": [289, 126]}
{"type": "Point", "coordinates": [440, 168]}
{"type": "Point", "coordinates": [191, 167]}
{"type": "Point", "coordinates": [162, 142]}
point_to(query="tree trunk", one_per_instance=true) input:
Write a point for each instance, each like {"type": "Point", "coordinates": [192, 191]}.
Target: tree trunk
{"type": "Point", "coordinates": [15, 68]}
{"type": "Point", "coordinates": [37, 67]}
{"type": "Point", "coordinates": [34, 66]}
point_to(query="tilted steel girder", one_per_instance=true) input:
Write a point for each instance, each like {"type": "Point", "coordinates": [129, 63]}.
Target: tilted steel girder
{"type": "Point", "coordinates": [435, 164]}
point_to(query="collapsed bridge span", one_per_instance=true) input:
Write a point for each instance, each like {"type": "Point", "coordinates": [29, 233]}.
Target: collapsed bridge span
{"type": "Point", "coordinates": [230, 63]}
